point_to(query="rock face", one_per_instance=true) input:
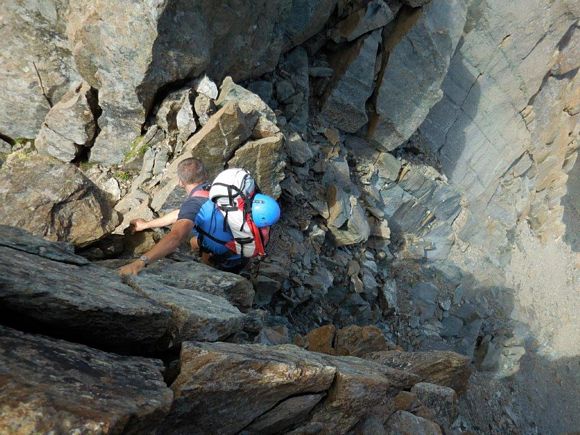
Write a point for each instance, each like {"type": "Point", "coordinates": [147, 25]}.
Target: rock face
{"type": "Point", "coordinates": [53, 386]}
{"type": "Point", "coordinates": [37, 65]}
{"type": "Point", "coordinates": [403, 100]}
{"type": "Point", "coordinates": [53, 200]}
{"type": "Point", "coordinates": [495, 88]}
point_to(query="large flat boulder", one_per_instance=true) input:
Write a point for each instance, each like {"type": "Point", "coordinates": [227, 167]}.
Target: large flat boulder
{"type": "Point", "coordinates": [82, 302]}
{"type": "Point", "coordinates": [195, 315]}
{"type": "Point", "coordinates": [52, 386]}
{"type": "Point", "coordinates": [53, 200]}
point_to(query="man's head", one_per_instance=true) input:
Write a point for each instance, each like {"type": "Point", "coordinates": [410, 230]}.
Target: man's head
{"type": "Point", "coordinates": [191, 171]}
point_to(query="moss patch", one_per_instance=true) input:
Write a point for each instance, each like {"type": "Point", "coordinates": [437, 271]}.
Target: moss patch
{"type": "Point", "coordinates": [137, 149]}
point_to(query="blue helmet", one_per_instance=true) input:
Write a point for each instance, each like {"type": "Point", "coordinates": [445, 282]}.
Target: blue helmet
{"type": "Point", "coordinates": [265, 210]}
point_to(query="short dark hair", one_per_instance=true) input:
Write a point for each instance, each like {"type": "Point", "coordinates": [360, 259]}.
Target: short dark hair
{"type": "Point", "coordinates": [191, 171]}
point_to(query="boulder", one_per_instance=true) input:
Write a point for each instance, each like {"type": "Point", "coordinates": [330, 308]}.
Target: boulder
{"type": "Point", "coordinates": [405, 423]}
{"type": "Point", "coordinates": [37, 64]}
{"type": "Point", "coordinates": [417, 65]}
{"type": "Point", "coordinates": [52, 386]}
{"type": "Point", "coordinates": [347, 221]}
{"type": "Point", "coordinates": [265, 161]}
{"type": "Point", "coordinates": [191, 275]}
{"type": "Point", "coordinates": [69, 125]}
{"type": "Point", "coordinates": [227, 388]}
{"type": "Point", "coordinates": [298, 149]}
{"type": "Point", "coordinates": [444, 368]}
{"type": "Point", "coordinates": [250, 104]}
{"type": "Point", "coordinates": [345, 105]}
{"type": "Point", "coordinates": [53, 200]}
{"type": "Point", "coordinates": [224, 387]}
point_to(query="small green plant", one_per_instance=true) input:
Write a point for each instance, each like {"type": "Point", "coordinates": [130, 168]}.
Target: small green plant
{"type": "Point", "coordinates": [123, 175]}
{"type": "Point", "coordinates": [137, 149]}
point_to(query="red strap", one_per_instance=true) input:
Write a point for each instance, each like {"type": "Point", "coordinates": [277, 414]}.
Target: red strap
{"type": "Point", "coordinates": [202, 193]}
{"type": "Point", "coordinates": [257, 236]}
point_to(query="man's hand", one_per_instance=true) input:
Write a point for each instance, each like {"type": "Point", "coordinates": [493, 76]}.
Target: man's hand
{"type": "Point", "coordinates": [132, 268]}
{"type": "Point", "coordinates": [139, 225]}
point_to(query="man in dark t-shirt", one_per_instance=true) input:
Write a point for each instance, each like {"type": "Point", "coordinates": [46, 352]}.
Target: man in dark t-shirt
{"type": "Point", "coordinates": [193, 178]}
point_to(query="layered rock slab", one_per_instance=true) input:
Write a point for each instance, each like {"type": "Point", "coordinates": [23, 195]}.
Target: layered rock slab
{"type": "Point", "coordinates": [227, 388]}
{"type": "Point", "coordinates": [52, 386]}
{"type": "Point", "coordinates": [53, 200]}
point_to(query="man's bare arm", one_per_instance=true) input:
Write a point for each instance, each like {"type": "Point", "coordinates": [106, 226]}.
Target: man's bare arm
{"type": "Point", "coordinates": [163, 221]}
{"type": "Point", "coordinates": [180, 231]}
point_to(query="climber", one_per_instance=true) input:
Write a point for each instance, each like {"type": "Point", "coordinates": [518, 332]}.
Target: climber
{"type": "Point", "coordinates": [216, 241]}
{"type": "Point", "coordinates": [192, 177]}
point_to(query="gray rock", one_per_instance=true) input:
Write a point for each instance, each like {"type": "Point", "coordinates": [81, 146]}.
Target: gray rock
{"type": "Point", "coordinates": [69, 124]}
{"type": "Point", "coordinates": [86, 302]}
{"type": "Point", "coordinates": [347, 221]}
{"type": "Point", "coordinates": [53, 386]}
{"type": "Point", "coordinates": [54, 200]}
{"type": "Point", "coordinates": [284, 90]}
{"type": "Point", "coordinates": [451, 327]}
{"type": "Point", "coordinates": [344, 107]}
{"type": "Point", "coordinates": [5, 147]}
{"type": "Point", "coordinates": [204, 107]}
{"type": "Point", "coordinates": [304, 19]}
{"type": "Point", "coordinates": [265, 161]}
{"type": "Point", "coordinates": [403, 422]}
{"type": "Point", "coordinates": [376, 14]}
{"type": "Point", "coordinates": [196, 315]}
{"type": "Point", "coordinates": [205, 86]}
{"type": "Point", "coordinates": [175, 115]}
{"type": "Point", "coordinates": [388, 166]}
{"type": "Point", "coordinates": [250, 104]}
{"type": "Point", "coordinates": [403, 101]}
{"type": "Point", "coordinates": [298, 149]}
{"type": "Point", "coordinates": [191, 275]}
{"type": "Point", "coordinates": [36, 64]}
{"type": "Point", "coordinates": [441, 400]}
{"type": "Point", "coordinates": [266, 288]}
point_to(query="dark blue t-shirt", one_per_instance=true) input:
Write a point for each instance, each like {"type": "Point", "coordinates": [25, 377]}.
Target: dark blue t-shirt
{"type": "Point", "coordinates": [191, 206]}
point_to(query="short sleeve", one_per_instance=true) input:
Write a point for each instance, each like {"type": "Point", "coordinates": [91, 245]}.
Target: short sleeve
{"type": "Point", "coordinates": [190, 208]}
